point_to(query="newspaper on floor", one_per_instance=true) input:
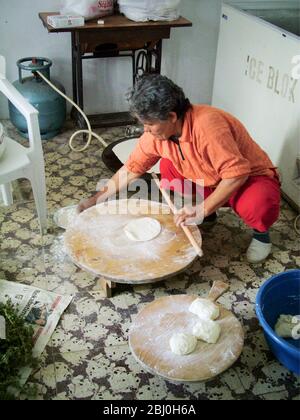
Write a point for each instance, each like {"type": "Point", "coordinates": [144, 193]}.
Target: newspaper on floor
{"type": "Point", "coordinates": [40, 308]}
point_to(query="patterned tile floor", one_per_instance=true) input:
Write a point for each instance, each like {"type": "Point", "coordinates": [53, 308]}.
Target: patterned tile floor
{"type": "Point", "coordinates": [88, 355]}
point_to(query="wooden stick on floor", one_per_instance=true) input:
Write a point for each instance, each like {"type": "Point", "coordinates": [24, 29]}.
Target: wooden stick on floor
{"type": "Point", "coordinates": [186, 229]}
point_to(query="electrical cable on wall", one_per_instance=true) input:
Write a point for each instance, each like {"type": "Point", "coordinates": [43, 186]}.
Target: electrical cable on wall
{"type": "Point", "coordinates": [89, 131]}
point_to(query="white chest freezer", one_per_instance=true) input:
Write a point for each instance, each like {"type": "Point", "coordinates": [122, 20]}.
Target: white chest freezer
{"type": "Point", "coordinates": [257, 79]}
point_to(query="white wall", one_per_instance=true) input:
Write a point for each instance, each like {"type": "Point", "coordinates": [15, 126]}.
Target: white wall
{"type": "Point", "coordinates": [188, 57]}
{"type": "Point", "coordinates": [190, 54]}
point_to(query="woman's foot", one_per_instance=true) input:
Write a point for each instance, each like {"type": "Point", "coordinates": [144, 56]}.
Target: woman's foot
{"type": "Point", "coordinates": [260, 247]}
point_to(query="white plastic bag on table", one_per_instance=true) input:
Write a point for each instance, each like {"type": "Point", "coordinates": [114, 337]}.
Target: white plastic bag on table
{"type": "Point", "coordinates": [144, 10]}
{"type": "Point", "coordinates": [89, 9]}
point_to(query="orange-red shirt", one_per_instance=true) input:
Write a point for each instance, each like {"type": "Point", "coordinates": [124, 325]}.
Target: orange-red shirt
{"type": "Point", "coordinates": [215, 146]}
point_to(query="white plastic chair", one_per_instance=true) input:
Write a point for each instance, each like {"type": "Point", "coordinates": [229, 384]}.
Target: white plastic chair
{"type": "Point", "coordinates": [22, 162]}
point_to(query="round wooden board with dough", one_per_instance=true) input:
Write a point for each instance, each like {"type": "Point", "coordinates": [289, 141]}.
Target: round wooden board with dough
{"type": "Point", "coordinates": [155, 324]}
{"type": "Point", "coordinates": [97, 242]}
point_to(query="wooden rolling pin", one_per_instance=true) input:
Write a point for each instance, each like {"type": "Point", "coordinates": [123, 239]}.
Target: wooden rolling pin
{"type": "Point", "coordinates": [175, 211]}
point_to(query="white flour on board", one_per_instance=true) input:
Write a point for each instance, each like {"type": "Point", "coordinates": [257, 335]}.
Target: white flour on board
{"type": "Point", "coordinates": [109, 230]}
{"type": "Point", "coordinates": [154, 326]}
{"type": "Point", "coordinates": [96, 241]}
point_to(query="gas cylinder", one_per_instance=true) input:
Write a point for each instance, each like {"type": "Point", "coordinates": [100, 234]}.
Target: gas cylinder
{"type": "Point", "coordinates": [51, 105]}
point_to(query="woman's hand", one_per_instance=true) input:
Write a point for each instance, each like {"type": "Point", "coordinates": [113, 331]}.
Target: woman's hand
{"type": "Point", "coordinates": [108, 188]}
{"type": "Point", "coordinates": [87, 203]}
{"type": "Point", "coordinates": [192, 215]}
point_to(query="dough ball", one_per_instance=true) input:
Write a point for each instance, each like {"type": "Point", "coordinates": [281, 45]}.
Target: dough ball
{"type": "Point", "coordinates": [207, 330]}
{"type": "Point", "coordinates": [142, 229]}
{"type": "Point", "coordinates": [285, 325]}
{"type": "Point", "coordinates": [182, 344]}
{"type": "Point", "coordinates": [204, 308]}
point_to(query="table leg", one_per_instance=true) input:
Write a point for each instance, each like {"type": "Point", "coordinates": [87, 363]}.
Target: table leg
{"type": "Point", "coordinates": [106, 286]}
{"type": "Point", "coordinates": [142, 64]}
{"type": "Point", "coordinates": [149, 59]}
{"type": "Point", "coordinates": [74, 70]}
{"type": "Point", "coordinates": [158, 50]}
{"type": "Point", "coordinates": [154, 57]}
{"type": "Point", "coordinates": [74, 112]}
{"type": "Point", "coordinates": [77, 76]}
{"type": "Point", "coordinates": [133, 68]}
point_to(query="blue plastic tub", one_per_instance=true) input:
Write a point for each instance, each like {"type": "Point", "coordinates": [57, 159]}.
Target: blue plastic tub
{"type": "Point", "coordinates": [280, 295]}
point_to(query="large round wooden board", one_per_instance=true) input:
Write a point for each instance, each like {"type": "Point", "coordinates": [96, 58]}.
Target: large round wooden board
{"type": "Point", "coordinates": [154, 326]}
{"type": "Point", "coordinates": [96, 242]}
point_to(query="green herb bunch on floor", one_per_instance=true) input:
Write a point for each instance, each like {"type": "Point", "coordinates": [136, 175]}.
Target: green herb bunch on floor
{"type": "Point", "coordinates": [15, 352]}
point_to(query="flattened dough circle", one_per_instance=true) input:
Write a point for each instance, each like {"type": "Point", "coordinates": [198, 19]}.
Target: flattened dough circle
{"type": "Point", "coordinates": [142, 229]}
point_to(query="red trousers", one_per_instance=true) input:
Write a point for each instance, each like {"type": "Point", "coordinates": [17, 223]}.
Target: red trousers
{"type": "Point", "coordinates": [257, 202]}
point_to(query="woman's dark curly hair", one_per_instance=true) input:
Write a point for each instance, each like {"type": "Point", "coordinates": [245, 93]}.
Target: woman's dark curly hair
{"type": "Point", "coordinates": [155, 96]}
